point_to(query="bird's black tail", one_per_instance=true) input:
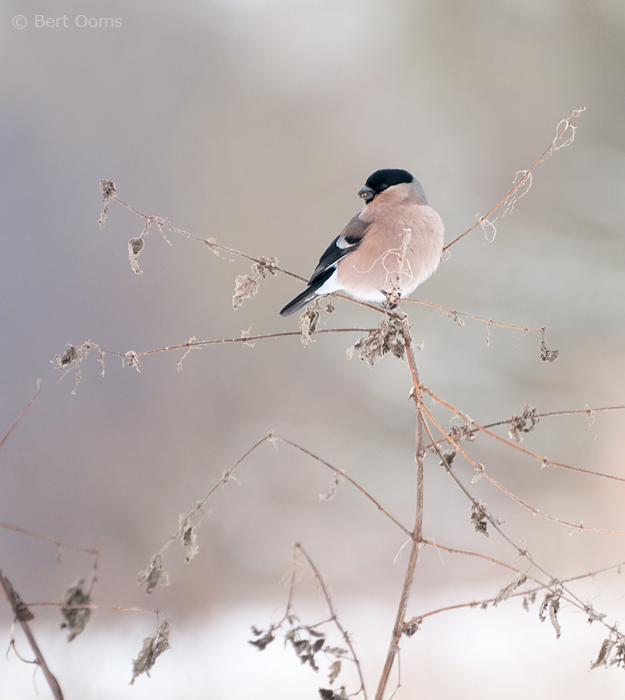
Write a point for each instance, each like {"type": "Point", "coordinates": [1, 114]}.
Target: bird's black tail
{"type": "Point", "coordinates": [309, 293]}
{"type": "Point", "coordinates": [299, 301]}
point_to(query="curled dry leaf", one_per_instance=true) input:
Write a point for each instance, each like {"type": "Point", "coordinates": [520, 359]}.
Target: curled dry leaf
{"type": "Point", "coordinates": [335, 669]}
{"type": "Point", "coordinates": [75, 618]}
{"type": "Point", "coordinates": [413, 628]}
{"type": "Point", "coordinates": [107, 187]}
{"type": "Point", "coordinates": [387, 337]}
{"type": "Point", "coordinates": [263, 638]}
{"type": "Point", "coordinates": [528, 600]}
{"type": "Point", "coordinates": [153, 575]}
{"type": "Point", "coordinates": [186, 534]}
{"type": "Point", "coordinates": [525, 423]}
{"type": "Point", "coordinates": [309, 322]}
{"type": "Point", "coordinates": [66, 359]}
{"type": "Point", "coordinates": [135, 246]}
{"type": "Point", "coordinates": [551, 605]}
{"type": "Point", "coordinates": [133, 360]}
{"type": "Point", "coordinates": [508, 590]}
{"type": "Point", "coordinates": [547, 355]}
{"type": "Point", "coordinates": [479, 518]}
{"type": "Point", "coordinates": [152, 648]}
{"type": "Point", "coordinates": [244, 288]}
{"type": "Point", "coordinates": [604, 653]}
{"type": "Point", "coordinates": [331, 493]}
{"type": "Point", "coordinates": [462, 432]}
{"type": "Point", "coordinates": [328, 694]}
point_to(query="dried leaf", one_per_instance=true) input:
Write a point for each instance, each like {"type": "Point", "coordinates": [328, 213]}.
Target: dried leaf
{"type": "Point", "coordinates": [153, 575]}
{"type": "Point", "coordinates": [447, 458]}
{"type": "Point", "coordinates": [335, 669]}
{"type": "Point", "coordinates": [265, 266]}
{"type": "Point", "coordinates": [410, 630]}
{"type": "Point", "coordinates": [618, 658]}
{"type": "Point", "coordinates": [604, 653]}
{"type": "Point", "coordinates": [547, 355]}
{"type": "Point", "coordinates": [508, 590]}
{"type": "Point", "coordinates": [332, 490]}
{"type": "Point", "coordinates": [308, 323]}
{"type": "Point", "coordinates": [387, 337]}
{"type": "Point", "coordinates": [593, 615]}
{"type": "Point", "coordinates": [525, 423]}
{"type": "Point", "coordinates": [318, 644]}
{"type": "Point", "coordinates": [335, 651]}
{"type": "Point", "coordinates": [453, 315]}
{"type": "Point", "coordinates": [133, 360]}
{"type": "Point", "coordinates": [462, 432]}
{"type": "Point", "coordinates": [479, 518]}
{"type": "Point", "coordinates": [263, 641]}
{"type": "Point", "coordinates": [75, 619]}
{"type": "Point", "coordinates": [528, 600]}
{"type": "Point", "coordinates": [327, 694]}
{"type": "Point", "coordinates": [107, 187]}
{"type": "Point", "coordinates": [67, 358]}
{"type": "Point", "coordinates": [187, 535]}
{"type": "Point", "coordinates": [152, 648]}
{"type": "Point", "coordinates": [135, 246]}
{"type": "Point", "coordinates": [551, 604]}
{"type": "Point", "coordinates": [244, 288]}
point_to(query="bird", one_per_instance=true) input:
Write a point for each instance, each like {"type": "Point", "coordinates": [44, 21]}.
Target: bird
{"type": "Point", "coordinates": [386, 251]}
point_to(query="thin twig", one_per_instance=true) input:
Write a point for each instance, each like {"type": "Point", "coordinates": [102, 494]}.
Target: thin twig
{"type": "Point", "coordinates": [82, 606]}
{"type": "Point", "coordinates": [347, 478]}
{"type": "Point", "coordinates": [212, 244]}
{"type": "Point", "coordinates": [529, 591]}
{"type": "Point", "coordinates": [550, 414]}
{"type": "Point", "coordinates": [542, 460]}
{"type": "Point", "coordinates": [493, 521]}
{"type": "Point", "coordinates": [23, 616]}
{"type": "Point", "coordinates": [417, 534]}
{"type": "Point", "coordinates": [487, 321]}
{"type": "Point", "coordinates": [335, 619]}
{"type": "Point", "coordinates": [482, 471]}
{"type": "Point", "coordinates": [482, 220]}
{"type": "Point", "coordinates": [22, 414]}
{"type": "Point", "coordinates": [57, 543]}
{"type": "Point", "coordinates": [244, 340]}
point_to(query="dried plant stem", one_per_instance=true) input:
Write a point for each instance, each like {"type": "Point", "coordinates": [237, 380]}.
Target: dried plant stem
{"type": "Point", "coordinates": [223, 341]}
{"type": "Point", "coordinates": [527, 177]}
{"type": "Point", "coordinates": [334, 618]}
{"type": "Point", "coordinates": [22, 414]}
{"type": "Point", "coordinates": [543, 460]}
{"type": "Point", "coordinates": [572, 598]}
{"type": "Point", "coordinates": [417, 533]}
{"type": "Point", "coordinates": [480, 469]}
{"type": "Point", "coordinates": [23, 615]}
{"type": "Point", "coordinates": [212, 244]}
{"type": "Point", "coordinates": [518, 594]}
{"type": "Point", "coordinates": [487, 321]}
{"type": "Point", "coordinates": [347, 478]}
{"type": "Point", "coordinates": [576, 411]}
{"type": "Point", "coordinates": [49, 540]}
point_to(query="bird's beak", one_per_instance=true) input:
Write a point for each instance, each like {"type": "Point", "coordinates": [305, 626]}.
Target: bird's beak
{"type": "Point", "coordinates": [366, 193]}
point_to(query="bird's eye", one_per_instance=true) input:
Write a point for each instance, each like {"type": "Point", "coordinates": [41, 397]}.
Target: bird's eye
{"type": "Point", "coordinates": [383, 187]}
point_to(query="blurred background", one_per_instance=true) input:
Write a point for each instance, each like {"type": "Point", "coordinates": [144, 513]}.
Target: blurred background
{"type": "Point", "coordinates": [256, 122]}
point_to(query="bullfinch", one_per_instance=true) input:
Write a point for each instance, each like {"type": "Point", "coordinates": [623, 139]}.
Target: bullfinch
{"type": "Point", "coordinates": [389, 248]}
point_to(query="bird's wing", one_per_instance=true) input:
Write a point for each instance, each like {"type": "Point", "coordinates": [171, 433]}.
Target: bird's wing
{"type": "Point", "coordinates": [345, 243]}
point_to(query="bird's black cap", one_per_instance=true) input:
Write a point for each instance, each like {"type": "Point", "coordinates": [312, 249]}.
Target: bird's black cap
{"type": "Point", "coordinates": [383, 179]}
